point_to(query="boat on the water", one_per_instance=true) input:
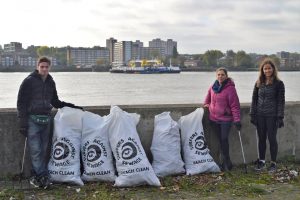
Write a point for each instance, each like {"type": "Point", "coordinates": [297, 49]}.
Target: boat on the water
{"type": "Point", "coordinates": [145, 67]}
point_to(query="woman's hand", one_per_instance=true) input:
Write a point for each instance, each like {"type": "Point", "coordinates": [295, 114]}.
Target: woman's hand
{"type": "Point", "coordinates": [205, 105]}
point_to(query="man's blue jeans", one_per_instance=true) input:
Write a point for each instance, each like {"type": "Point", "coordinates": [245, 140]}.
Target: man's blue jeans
{"type": "Point", "coordinates": [38, 141]}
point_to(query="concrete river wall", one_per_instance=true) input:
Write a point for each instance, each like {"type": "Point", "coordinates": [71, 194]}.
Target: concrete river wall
{"type": "Point", "coordinates": [12, 142]}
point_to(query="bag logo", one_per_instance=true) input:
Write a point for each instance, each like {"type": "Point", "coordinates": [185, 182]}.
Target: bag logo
{"type": "Point", "coordinates": [93, 153]}
{"type": "Point", "coordinates": [200, 143]}
{"type": "Point", "coordinates": [129, 151]}
{"type": "Point", "coordinates": [63, 151]}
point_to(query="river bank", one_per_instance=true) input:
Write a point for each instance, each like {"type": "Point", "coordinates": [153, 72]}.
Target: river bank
{"type": "Point", "coordinates": [284, 184]}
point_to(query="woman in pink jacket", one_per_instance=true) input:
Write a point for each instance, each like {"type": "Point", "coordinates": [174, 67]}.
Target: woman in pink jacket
{"type": "Point", "coordinates": [224, 109]}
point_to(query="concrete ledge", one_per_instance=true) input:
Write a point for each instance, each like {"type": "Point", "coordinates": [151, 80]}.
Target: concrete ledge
{"type": "Point", "coordinates": [12, 143]}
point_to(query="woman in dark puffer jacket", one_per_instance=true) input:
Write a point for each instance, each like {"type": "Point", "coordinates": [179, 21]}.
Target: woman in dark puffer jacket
{"type": "Point", "coordinates": [267, 111]}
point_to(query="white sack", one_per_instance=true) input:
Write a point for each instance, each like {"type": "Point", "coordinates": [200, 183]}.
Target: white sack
{"type": "Point", "coordinates": [165, 148]}
{"type": "Point", "coordinates": [131, 161]}
{"type": "Point", "coordinates": [95, 149]}
{"type": "Point", "coordinates": [64, 164]}
{"type": "Point", "coordinates": [195, 151]}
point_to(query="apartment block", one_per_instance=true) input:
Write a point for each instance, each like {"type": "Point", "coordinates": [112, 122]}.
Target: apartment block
{"type": "Point", "coordinates": [87, 56]}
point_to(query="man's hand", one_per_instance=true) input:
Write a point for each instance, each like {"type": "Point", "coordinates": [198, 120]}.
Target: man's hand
{"type": "Point", "coordinates": [23, 131]}
{"type": "Point", "coordinates": [78, 107]}
{"type": "Point", "coordinates": [23, 126]}
{"type": "Point", "coordinates": [238, 125]}
{"type": "Point", "coordinates": [72, 106]}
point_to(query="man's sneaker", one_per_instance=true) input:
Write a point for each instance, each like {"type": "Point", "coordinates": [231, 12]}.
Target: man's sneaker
{"type": "Point", "coordinates": [272, 168]}
{"type": "Point", "coordinates": [260, 166]}
{"type": "Point", "coordinates": [34, 181]}
{"type": "Point", "coordinates": [45, 182]}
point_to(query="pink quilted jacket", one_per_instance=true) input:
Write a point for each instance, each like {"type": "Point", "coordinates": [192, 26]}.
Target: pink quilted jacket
{"type": "Point", "coordinates": [223, 106]}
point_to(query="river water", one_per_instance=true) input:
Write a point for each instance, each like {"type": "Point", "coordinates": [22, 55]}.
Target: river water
{"type": "Point", "coordinates": [103, 88]}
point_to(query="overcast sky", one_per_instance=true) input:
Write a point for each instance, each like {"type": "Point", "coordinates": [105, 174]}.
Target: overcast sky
{"type": "Point", "coordinates": [197, 25]}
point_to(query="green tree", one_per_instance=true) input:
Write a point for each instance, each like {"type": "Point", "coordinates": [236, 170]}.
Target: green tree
{"type": "Point", "coordinates": [230, 53]}
{"type": "Point", "coordinates": [181, 60]}
{"type": "Point", "coordinates": [197, 56]}
{"type": "Point", "coordinates": [275, 59]}
{"type": "Point", "coordinates": [229, 59]}
{"type": "Point", "coordinates": [211, 57]}
{"type": "Point", "coordinates": [43, 51]}
{"type": "Point", "coordinates": [32, 50]}
{"type": "Point", "coordinates": [242, 59]}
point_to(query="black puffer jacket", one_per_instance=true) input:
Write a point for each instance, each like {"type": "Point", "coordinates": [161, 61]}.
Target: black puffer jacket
{"type": "Point", "coordinates": [37, 96]}
{"type": "Point", "coordinates": [268, 100]}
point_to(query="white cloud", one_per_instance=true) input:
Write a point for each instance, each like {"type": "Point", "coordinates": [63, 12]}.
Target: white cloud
{"type": "Point", "coordinates": [197, 25]}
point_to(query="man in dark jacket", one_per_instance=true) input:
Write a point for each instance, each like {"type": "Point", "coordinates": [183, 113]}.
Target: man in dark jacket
{"type": "Point", "coordinates": [37, 96]}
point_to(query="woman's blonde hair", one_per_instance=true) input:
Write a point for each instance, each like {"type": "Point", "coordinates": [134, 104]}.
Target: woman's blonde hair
{"type": "Point", "coordinates": [262, 77]}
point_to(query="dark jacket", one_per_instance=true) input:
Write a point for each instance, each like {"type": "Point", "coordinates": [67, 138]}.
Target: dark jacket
{"type": "Point", "coordinates": [37, 96]}
{"type": "Point", "coordinates": [268, 100]}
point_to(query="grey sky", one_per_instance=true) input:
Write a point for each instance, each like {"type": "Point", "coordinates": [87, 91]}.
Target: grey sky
{"type": "Point", "coordinates": [252, 25]}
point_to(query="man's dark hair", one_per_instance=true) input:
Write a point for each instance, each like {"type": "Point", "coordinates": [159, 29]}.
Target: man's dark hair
{"type": "Point", "coordinates": [44, 59]}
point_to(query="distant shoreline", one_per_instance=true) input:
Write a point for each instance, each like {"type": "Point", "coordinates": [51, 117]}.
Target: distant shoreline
{"type": "Point", "coordinates": [106, 69]}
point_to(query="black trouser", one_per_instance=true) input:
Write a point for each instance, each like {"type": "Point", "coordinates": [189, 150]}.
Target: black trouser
{"type": "Point", "coordinates": [267, 127]}
{"type": "Point", "coordinates": [223, 129]}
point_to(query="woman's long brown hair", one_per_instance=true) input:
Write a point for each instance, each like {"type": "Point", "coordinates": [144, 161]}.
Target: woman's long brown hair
{"type": "Point", "coordinates": [262, 78]}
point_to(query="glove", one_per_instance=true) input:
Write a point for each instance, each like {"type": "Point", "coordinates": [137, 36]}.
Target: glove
{"type": "Point", "coordinates": [72, 106]}
{"type": "Point", "coordinates": [253, 120]}
{"type": "Point", "coordinates": [23, 126]}
{"type": "Point", "coordinates": [238, 125]}
{"type": "Point", "coordinates": [280, 122]}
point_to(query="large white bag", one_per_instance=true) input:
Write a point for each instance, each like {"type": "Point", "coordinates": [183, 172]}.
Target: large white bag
{"type": "Point", "coordinates": [64, 164]}
{"type": "Point", "coordinates": [131, 161]}
{"type": "Point", "coordinates": [95, 149]}
{"type": "Point", "coordinates": [195, 151]}
{"type": "Point", "coordinates": [165, 146]}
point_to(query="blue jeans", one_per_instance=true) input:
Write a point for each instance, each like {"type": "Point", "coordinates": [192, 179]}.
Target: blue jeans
{"type": "Point", "coordinates": [38, 141]}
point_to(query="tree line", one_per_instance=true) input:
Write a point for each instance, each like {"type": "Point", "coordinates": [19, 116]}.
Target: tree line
{"type": "Point", "coordinates": [231, 59]}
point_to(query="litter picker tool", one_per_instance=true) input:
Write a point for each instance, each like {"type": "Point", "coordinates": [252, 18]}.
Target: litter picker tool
{"type": "Point", "coordinates": [245, 165]}
{"type": "Point", "coordinates": [20, 176]}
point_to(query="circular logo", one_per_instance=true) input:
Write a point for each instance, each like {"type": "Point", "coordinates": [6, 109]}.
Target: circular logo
{"type": "Point", "coordinates": [61, 150]}
{"type": "Point", "coordinates": [129, 151]}
{"type": "Point", "coordinates": [200, 143]}
{"type": "Point", "coordinates": [93, 153]}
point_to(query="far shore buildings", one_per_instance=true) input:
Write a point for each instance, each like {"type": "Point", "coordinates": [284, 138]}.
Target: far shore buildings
{"type": "Point", "coordinates": [123, 51]}
{"type": "Point", "coordinates": [86, 57]}
{"type": "Point", "coordinates": [288, 59]}
{"type": "Point", "coordinates": [14, 55]}
{"type": "Point", "coordinates": [115, 53]}
{"type": "Point", "coordinates": [110, 45]}
{"type": "Point", "coordinates": [165, 47]}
